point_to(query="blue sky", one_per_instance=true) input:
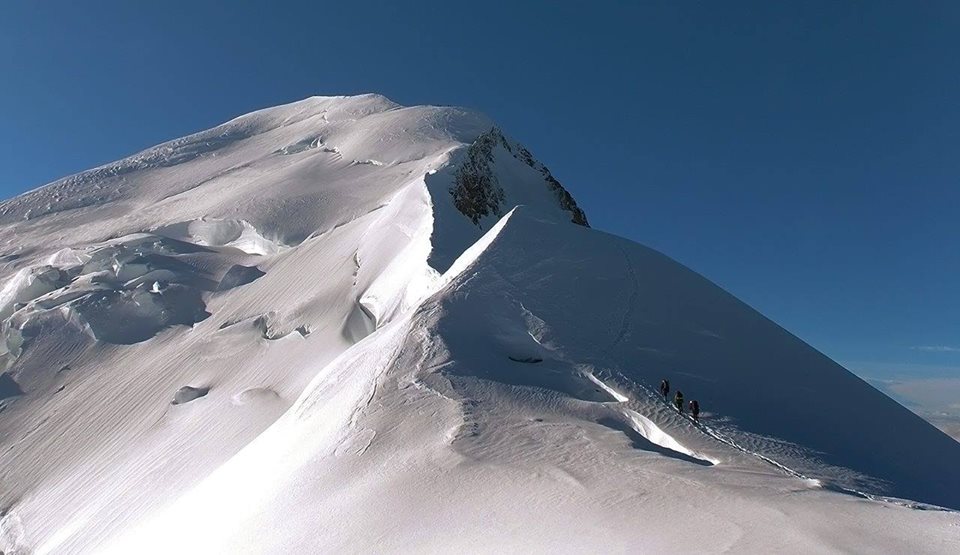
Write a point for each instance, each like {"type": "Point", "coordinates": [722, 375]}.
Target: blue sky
{"type": "Point", "coordinates": [803, 157]}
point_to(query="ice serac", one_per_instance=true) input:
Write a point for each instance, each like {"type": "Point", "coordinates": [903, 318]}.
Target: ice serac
{"type": "Point", "coordinates": [390, 329]}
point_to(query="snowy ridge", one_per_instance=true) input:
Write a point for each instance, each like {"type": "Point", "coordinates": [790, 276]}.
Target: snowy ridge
{"type": "Point", "coordinates": [343, 325]}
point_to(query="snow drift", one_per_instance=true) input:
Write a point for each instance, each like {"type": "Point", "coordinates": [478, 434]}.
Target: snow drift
{"type": "Point", "coordinates": [343, 324]}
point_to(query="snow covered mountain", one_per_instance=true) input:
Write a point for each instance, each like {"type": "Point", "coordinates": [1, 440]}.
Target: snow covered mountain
{"type": "Point", "coordinates": [347, 325]}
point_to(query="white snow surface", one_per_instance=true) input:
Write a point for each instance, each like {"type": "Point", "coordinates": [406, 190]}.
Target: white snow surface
{"type": "Point", "coordinates": [281, 336]}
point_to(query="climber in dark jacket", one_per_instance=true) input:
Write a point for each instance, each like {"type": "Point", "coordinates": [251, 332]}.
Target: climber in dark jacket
{"type": "Point", "coordinates": [695, 410]}
{"type": "Point", "coordinates": [664, 388]}
{"type": "Point", "coordinates": [678, 401]}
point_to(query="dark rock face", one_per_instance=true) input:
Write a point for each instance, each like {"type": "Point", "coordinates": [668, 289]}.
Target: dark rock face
{"type": "Point", "coordinates": [476, 191]}
{"type": "Point", "coordinates": [563, 196]}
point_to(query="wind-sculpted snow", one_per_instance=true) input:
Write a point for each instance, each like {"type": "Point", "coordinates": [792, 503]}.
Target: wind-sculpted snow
{"type": "Point", "coordinates": [638, 315]}
{"type": "Point", "coordinates": [441, 416]}
{"type": "Point", "coordinates": [123, 292]}
{"type": "Point", "coordinates": [238, 275]}
{"type": "Point", "coordinates": [306, 144]}
{"type": "Point", "coordinates": [222, 233]}
{"type": "Point", "coordinates": [332, 315]}
{"type": "Point", "coordinates": [189, 393]}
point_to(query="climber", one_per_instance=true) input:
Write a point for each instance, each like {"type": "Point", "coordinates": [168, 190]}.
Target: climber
{"type": "Point", "coordinates": [678, 401]}
{"type": "Point", "coordinates": [664, 388]}
{"type": "Point", "coordinates": [695, 410]}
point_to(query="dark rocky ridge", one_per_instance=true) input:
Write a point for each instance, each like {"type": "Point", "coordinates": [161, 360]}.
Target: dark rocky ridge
{"type": "Point", "coordinates": [477, 192]}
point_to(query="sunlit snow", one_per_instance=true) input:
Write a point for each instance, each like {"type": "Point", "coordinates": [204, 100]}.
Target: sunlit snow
{"type": "Point", "coordinates": [344, 325]}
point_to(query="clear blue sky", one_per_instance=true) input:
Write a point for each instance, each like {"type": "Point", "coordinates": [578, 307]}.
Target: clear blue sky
{"type": "Point", "coordinates": [803, 157]}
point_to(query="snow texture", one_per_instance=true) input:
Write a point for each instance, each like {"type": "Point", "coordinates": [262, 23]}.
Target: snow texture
{"type": "Point", "coordinates": [344, 325]}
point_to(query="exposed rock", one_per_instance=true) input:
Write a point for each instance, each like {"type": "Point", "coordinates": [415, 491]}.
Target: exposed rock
{"type": "Point", "coordinates": [477, 192]}
{"type": "Point", "coordinates": [563, 196]}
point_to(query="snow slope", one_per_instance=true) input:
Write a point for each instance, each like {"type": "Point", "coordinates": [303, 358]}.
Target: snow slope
{"type": "Point", "coordinates": [326, 327]}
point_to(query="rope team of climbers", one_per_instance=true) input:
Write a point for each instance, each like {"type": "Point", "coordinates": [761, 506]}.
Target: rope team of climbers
{"type": "Point", "coordinates": [694, 405]}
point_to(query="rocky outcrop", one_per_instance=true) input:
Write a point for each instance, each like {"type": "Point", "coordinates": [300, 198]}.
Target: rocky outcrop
{"type": "Point", "coordinates": [563, 196]}
{"type": "Point", "coordinates": [477, 192]}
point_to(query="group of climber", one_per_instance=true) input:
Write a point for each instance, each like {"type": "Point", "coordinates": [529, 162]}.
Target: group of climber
{"type": "Point", "coordinates": [694, 405]}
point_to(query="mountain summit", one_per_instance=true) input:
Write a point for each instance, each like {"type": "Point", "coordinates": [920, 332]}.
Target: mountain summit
{"type": "Point", "coordinates": [347, 325]}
